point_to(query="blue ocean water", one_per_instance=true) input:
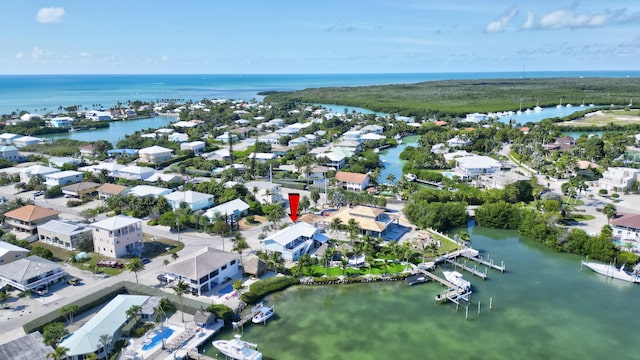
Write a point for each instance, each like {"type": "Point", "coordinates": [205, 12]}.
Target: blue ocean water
{"type": "Point", "coordinates": [43, 93]}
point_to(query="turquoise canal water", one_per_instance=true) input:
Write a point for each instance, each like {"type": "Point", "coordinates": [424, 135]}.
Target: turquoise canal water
{"type": "Point", "coordinates": [117, 130]}
{"type": "Point", "coordinates": [544, 307]}
{"type": "Point", "coordinates": [390, 157]}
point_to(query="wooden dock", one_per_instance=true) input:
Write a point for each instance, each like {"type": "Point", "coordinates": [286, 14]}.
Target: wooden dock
{"type": "Point", "coordinates": [482, 261]}
{"type": "Point", "coordinates": [437, 278]}
{"type": "Point", "coordinates": [474, 270]}
{"type": "Point", "coordinates": [454, 295]}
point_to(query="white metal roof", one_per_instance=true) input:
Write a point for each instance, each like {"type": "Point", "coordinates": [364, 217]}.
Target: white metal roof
{"type": "Point", "coordinates": [116, 222]}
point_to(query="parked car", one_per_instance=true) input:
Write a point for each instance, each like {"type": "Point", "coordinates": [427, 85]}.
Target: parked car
{"type": "Point", "coordinates": [42, 290]}
{"type": "Point", "coordinates": [73, 281]}
{"type": "Point", "coordinates": [146, 260]}
{"type": "Point", "coordinates": [38, 193]}
{"type": "Point", "coordinates": [162, 278]}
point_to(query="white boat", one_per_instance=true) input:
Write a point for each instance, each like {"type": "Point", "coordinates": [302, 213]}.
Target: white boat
{"type": "Point", "coordinates": [263, 314]}
{"type": "Point", "coordinates": [612, 272]}
{"type": "Point", "coordinates": [410, 177]}
{"type": "Point", "coordinates": [238, 349]}
{"type": "Point", "coordinates": [376, 150]}
{"type": "Point", "coordinates": [537, 108]}
{"type": "Point", "coordinates": [559, 106]}
{"type": "Point", "coordinates": [398, 138]}
{"type": "Point", "coordinates": [455, 278]}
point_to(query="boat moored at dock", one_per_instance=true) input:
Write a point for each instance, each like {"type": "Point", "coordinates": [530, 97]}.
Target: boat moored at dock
{"type": "Point", "coordinates": [612, 272]}
{"type": "Point", "coordinates": [238, 349]}
{"type": "Point", "coordinates": [456, 278]}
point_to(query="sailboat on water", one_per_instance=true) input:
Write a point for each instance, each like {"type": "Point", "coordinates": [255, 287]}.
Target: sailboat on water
{"type": "Point", "coordinates": [559, 106]}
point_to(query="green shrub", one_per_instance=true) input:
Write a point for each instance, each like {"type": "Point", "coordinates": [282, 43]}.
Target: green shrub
{"type": "Point", "coordinates": [221, 312]}
{"type": "Point", "coordinates": [615, 195]}
{"type": "Point", "coordinates": [262, 288]}
{"type": "Point", "coordinates": [603, 192]}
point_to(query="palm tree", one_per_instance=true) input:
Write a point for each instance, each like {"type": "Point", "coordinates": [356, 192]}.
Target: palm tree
{"type": "Point", "coordinates": [239, 244]}
{"type": "Point", "coordinates": [91, 356]}
{"type": "Point", "coordinates": [344, 264]}
{"type": "Point", "coordinates": [68, 312]}
{"type": "Point", "coordinates": [59, 353]}
{"type": "Point", "coordinates": [464, 237]}
{"type": "Point", "coordinates": [135, 266]}
{"type": "Point", "coordinates": [105, 341]}
{"type": "Point", "coordinates": [353, 229]}
{"type": "Point", "coordinates": [336, 225]}
{"type": "Point", "coordinates": [327, 257]}
{"type": "Point", "coordinates": [134, 311]}
{"type": "Point", "coordinates": [610, 211]}
{"type": "Point", "coordinates": [181, 288]}
{"type": "Point", "coordinates": [161, 310]}
{"type": "Point", "coordinates": [4, 297]}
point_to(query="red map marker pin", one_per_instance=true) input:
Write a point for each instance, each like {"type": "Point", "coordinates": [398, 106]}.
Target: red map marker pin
{"type": "Point", "coordinates": [294, 199]}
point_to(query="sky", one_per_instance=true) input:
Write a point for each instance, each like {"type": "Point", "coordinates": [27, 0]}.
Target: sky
{"type": "Point", "coordinates": [316, 37]}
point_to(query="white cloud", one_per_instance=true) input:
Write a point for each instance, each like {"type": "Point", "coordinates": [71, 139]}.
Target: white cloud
{"type": "Point", "coordinates": [84, 54]}
{"type": "Point", "coordinates": [530, 22]}
{"type": "Point", "coordinates": [164, 58]}
{"type": "Point", "coordinates": [565, 19]}
{"type": "Point", "coordinates": [19, 55]}
{"type": "Point", "coordinates": [499, 24]}
{"type": "Point", "coordinates": [37, 53]}
{"type": "Point", "coordinates": [50, 14]}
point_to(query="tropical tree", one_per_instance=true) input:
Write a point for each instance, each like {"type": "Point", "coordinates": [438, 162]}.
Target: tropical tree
{"type": "Point", "coordinates": [163, 308]}
{"type": "Point", "coordinates": [315, 196]}
{"type": "Point", "coordinates": [327, 257]}
{"type": "Point", "coordinates": [275, 214]}
{"type": "Point", "coordinates": [336, 225]}
{"type": "Point", "coordinates": [105, 341]}
{"type": "Point", "coordinates": [4, 297]}
{"type": "Point", "coordinates": [344, 264]}
{"type": "Point", "coordinates": [180, 289]}
{"type": "Point", "coordinates": [610, 211]}
{"type": "Point", "coordinates": [304, 203]}
{"type": "Point", "coordinates": [305, 262]}
{"type": "Point", "coordinates": [353, 229]}
{"type": "Point", "coordinates": [58, 353]}
{"type": "Point", "coordinates": [135, 265]}
{"type": "Point", "coordinates": [464, 237]}
{"type": "Point", "coordinates": [133, 312]}
{"type": "Point", "coordinates": [52, 333]}
{"type": "Point", "coordinates": [68, 312]}
{"type": "Point", "coordinates": [239, 244]}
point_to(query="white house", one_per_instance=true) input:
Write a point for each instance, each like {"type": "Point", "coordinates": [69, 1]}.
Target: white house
{"type": "Point", "coordinates": [10, 252]}
{"type": "Point", "coordinates": [476, 117]}
{"type": "Point", "coordinates": [118, 236]}
{"type": "Point", "coordinates": [225, 137]}
{"type": "Point", "coordinates": [288, 131]}
{"type": "Point", "coordinates": [194, 200]}
{"type": "Point", "coordinates": [458, 142]}
{"type": "Point", "coordinates": [476, 165]}
{"type": "Point", "coordinates": [30, 273]}
{"type": "Point", "coordinates": [372, 137]}
{"type": "Point", "coordinates": [59, 122]}
{"type": "Point", "coordinates": [204, 270]}
{"type": "Point", "coordinates": [439, 149]}
{"type": "Point", "coordinates": [262, 157]}
{"type": "Point", "coordinates": [27, 173]}
{"type": "Point", "coordinates": [63, 178]}
{"type": "Point", "coordinates": [619, 178]}
{"type": "Point", "coordinates": [9, 152]}
{"type": "Point", "coordinates": [265, 192]}
{"type": "Point", "coordinates": [26, 140]}
{"type": "Point", "coordinates": [7, 138]}
{"type": "Point", "coordinates": [59, 161]}
{"type": "Point", "coordinates": [298, 141]}
{"type": "Point", "coordinates": [353, 135]}
{"type": "Point", "coordinates": [98, 115]}
{"type": "Point", "coordinates": [220, 155]}
{"type": "Point", "coordinates": [296, 240]}
{"type": "Point", "coordinates": [333, 159]}
{"type": "Point", "coordinates": [155, 154]}
{"type": "Point", "coordinates": [233, 210]}
{"type": "Point", "coordinates": [373, 129]}
{"type": "Point", "coordinates": [352, 181]}
{"type": "Point", "coordinates": [196, 146]}
{"type": "Point", "coordinates": [270, 138]}
{"type": "Point", "coordinates": [133, 172]}
{"type": "Point", "coordinates": [65, 234]}
{"type": "Point", "coordinates": [626, 227]}
{"type": "Point", "coordinates": [164, 177]}
{"type": "Point", "coordinates": [178, 137]}
{"type": "Point", "coordinates": [110, 167]}
{"type": "Point", "coordinates": [148, 190]}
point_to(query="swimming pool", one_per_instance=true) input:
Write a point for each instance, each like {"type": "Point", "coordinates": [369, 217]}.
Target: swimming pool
{"type": "Point", "coordinates": [157, 339]}
{"type": "Point", "coordinates": [225, 290]}
{"type": "Point", "coordinates": [448, 174]}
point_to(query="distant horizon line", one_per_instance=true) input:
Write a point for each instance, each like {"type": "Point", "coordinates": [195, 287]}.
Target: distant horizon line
{"type": "Point", "coordinates": [337, 73]}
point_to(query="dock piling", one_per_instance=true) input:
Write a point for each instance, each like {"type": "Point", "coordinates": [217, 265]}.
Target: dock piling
{"type": "Point", "coordinates": [491, 304]}
{"type": "Point", "coordinates": [467, 312]}
{"type": "Point", "coordinates": [478, 308]}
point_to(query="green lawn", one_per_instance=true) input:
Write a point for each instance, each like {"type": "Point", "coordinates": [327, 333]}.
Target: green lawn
{"type": "Point", "coordinates": [376, 269]}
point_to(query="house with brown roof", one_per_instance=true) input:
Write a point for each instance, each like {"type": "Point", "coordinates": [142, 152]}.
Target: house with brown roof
{"type": "Point", "coordinates": [88, 150]}
{"type": "Point", "coordinates": [370, 220]}
{"type": "Point", "coordinates": [626, 227]}
{"type": "Point", "coordinates": [28, 217]}
{"type": "Point", "coordinates": [352, 181]}
{"type": "Point", "coordinates": [81, 189]}
{"type": "Point", "coordinates": [205, 270]}
{"type": "Point", "coordinates": [109, 190]}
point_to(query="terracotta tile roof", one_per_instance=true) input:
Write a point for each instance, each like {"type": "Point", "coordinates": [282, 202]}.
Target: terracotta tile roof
{"type": "Point", "coordinates": [348, 177]}
{"type": "Point", "coordinates": [81, 186]}
{"type": "Point", "coordinates": [30, 213]}
{"type": "Point", "coordinates": [440, 123]}
{"type": "Point", "coordinates": [364, 223]}
{"type": "Point", "coordinates": [627, 220]}
{"type": "Point", "coordinates": [366, 211]}
{"type": "Point", "coordinates": [111, 189]}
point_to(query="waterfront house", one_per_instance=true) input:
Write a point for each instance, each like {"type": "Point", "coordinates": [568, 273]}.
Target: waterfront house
{"type": "Point", "coordinates": [122, 152]}
{"type": "Point", "coordinates": [262, 157]}
{"type": "Point", "coordinates": [81, 190]}
{"type": "Point", "coordinates": [265, 192]}
{"type": "Point", "coordinates": [148, 190]}
{"type": "Point", "coordinates": [476, 117]}
{"type": "Point", "coordinates": [352, 181]}
{"type": "Point", "coordinates": [108, 190]}
{"type": "Point", "coordinates": [233, 210]}
{"type": "Point", "coordinates": [204, 270]}
{"type": "Point", "coordinates": [475, 165]}
{"type": "Point", "coordinates": [626, 228]}
{"type": "Point", "coordinates": [27, 218]}
{"type": "Point", "coordinates": [368, 137]}
{"type": "Point", "coordinates": [458, 142]}
{"type": "Point", "coordinates": [351, 145]}
{"type": "Point", "coordinates": [501, 179]}
{"type": "Point", "coordinates": [371, 221]}
{"type": "Point", "coordinates": [563, 143]}
{"type": "Point", "coordinates": [164, 177]}
{"type": "Point", "coordinates": [109, 321]}
{"type": "Point", "coordinates": [298, 141]}
{"type": "Point", "coordinates": [10, 153]}
{"type": "Point", "coordinates": [26, 140]}
{"type": "Point", "coordinates": [10, 252]}
{"type": "Point", "coordinates": [31, 273]}
{"type": "Point", "coordinates": [60, 122]}
{"type": "Point", "coordinates": [133, 172]}
{"type": "Point", "coordinates": [7, 138]}
{"type": "Point", "coordinates": [439, 149]}
{"type": "Point", "coordinates": [196, 146]}
{"type": "Point", "coordinates": [118, 236]}
{"type": "Point", "coordinates": [63, 178]}
{"type": "Point", "coordinates": [107, 167]}
{"type": "Point", "coordinates": [66, 234]}
{"type": "Point", "coordinates": [193, 199]}
{"type": "Point", "coordinates": [98, 115]}
{"type": "Point", "coordinates": [353, 135]}
{"type": "Point", "coordinates": [619, 178]}
{"type": "Point", "coordinates": [155, 154]}
{"type": "Point", "coordinates": [295, 240]}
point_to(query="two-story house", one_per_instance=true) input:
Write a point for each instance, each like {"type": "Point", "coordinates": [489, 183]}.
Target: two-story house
{"type": "Point", "coordinates": [117, 236]}
{"type": "Point", "coordinates": [155, 154]}
{"type": "Point", "coordinates": [66, 234]}
{"type": "Point", "coordinates": [28, 217]}
{"type": "Point", "coordinates": [619, 178]}
{"type": "Point", "coordinates": [296, 240]}
{"type": "Point", "coordinates": [193, 199]}
{"type": "Point", "coordinates": [371, 221]}
{"type": "Point", "coordinates": [204, 270]}
{"type": "Point", "coordinates": [352, 181]}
